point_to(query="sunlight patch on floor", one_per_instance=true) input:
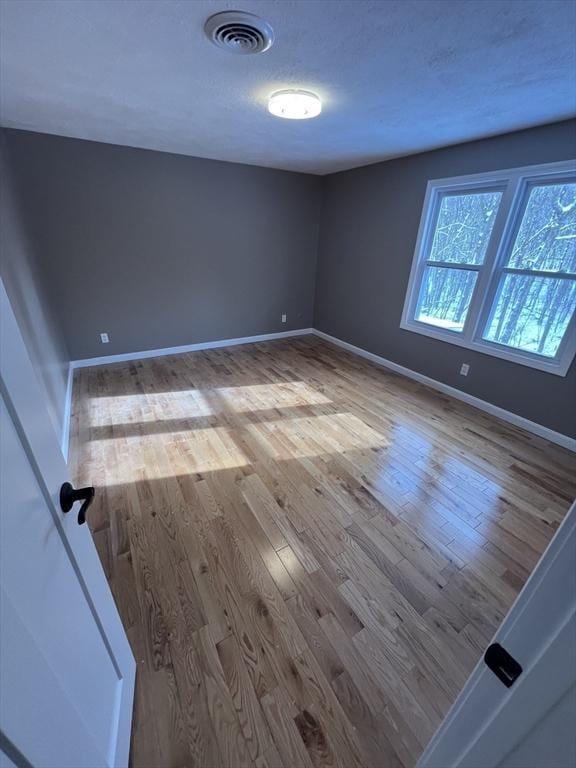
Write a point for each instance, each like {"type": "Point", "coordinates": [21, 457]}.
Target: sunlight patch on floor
{"type": "Point", "coordinates": [155, 455]}
{"type": "Point", "coordinates": [260, 397]}
{"type": "Point", "coordinates": [146, 407]}
{"type": "Point", "coordinates": [315, 436]}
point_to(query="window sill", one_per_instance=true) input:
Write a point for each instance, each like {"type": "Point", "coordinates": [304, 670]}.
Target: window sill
{"type": "Point", "coordinates": [557, 367]}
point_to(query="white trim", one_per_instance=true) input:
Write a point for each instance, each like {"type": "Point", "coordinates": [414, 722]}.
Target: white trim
{"type": "Point", "coordinates": [514, 184]}
{"type": "Point", "coordinates": [512, 418]}
{"type": "Point", "coordinates": [544, 169]}
{"type": "Point", "coordinates": [87, 362]}
{"type": "Point", "coordinates": [121, 358]}
{"type": "Point", "coordinates": [494, 349]}
{"type": "Point", "coordinates": [65, 438]}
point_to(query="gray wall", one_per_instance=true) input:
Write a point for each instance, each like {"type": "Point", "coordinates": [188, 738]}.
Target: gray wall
{"type": "Point", "coordinates": [28, 296]}
{"type": "Point", "coordinates": [161, 250]}
{"type": "Point", "coordinates": [368, 232]}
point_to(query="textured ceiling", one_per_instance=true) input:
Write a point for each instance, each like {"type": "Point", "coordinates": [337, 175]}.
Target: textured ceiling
{"type": "Point", "coordinates": [396, 76]}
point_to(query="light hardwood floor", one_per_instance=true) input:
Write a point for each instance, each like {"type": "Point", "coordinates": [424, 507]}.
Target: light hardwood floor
{"type": "Point", "coordinates": [309, 554]}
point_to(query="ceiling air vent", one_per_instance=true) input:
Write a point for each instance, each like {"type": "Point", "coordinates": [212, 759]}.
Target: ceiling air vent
{"type": "Point", "coordinates": [239, 32]}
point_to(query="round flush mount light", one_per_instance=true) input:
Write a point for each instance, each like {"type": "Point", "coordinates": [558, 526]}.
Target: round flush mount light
{"type": "Point", "coordinates": [294, 105]}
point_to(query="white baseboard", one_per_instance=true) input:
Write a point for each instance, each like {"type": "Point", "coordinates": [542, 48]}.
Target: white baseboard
{"type": "Point", "coordinates": [65, 439]}
{"type": "Point", "coordinates": [187, 348]}
{"type": "Point", "coordinates": [86, 363]}
{"type": "Point", "coordinates": [512, 418]}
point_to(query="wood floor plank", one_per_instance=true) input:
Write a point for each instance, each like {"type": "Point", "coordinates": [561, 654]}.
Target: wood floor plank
{"type": "Point", "coordinates": [374, 731]}
{"type": "Point", "coordinates": [280, 714]}
{"type": "Point", "coordinates": [309, 553]}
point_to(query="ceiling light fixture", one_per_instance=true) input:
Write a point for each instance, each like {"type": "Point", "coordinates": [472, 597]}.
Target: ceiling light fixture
{"type": "Point", "coordinates": [294, 105]}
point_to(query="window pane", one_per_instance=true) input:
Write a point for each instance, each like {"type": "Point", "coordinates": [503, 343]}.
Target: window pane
{"type": "Point", "coordinates": [445, 296]}
{"type": "Point", "coordinates": [463, 227]}
{"type": "Point", "coordinates": [546, 239]}
{"type": "Point", "coordinates": [532, 313]}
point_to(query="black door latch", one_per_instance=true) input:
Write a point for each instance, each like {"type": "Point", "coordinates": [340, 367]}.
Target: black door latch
{"type": "Point", "coordinates": [504, 666]}
{"type": "Point", "coordinates": [69, 494]}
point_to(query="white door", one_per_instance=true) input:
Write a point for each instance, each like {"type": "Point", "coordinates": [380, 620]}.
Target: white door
{"type": "Point", "coordinates": [532, 722]}
{"type": "Point", "coordinates": [66, 669]}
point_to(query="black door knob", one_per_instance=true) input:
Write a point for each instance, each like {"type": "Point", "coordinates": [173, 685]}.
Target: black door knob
{"type": "Point", "coordinates": [69, 494]}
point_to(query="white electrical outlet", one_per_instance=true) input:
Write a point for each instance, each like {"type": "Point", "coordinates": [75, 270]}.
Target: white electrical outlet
{"type": "Point", "coordinates": [104, 338]}
{"type": "Point", "coordinates": [284, 317]}
{"type": "Point", "coordinates": [464, 368]}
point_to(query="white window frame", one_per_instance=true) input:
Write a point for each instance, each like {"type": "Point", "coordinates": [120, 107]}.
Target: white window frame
{"type": "Point", "coordinates": [515, 185]}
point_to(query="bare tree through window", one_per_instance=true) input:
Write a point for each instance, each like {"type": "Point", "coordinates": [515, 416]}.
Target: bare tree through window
{"type": "Point", "coordinates": [495, 265]}
{"type": "Point", "coordinates": [532, 311]}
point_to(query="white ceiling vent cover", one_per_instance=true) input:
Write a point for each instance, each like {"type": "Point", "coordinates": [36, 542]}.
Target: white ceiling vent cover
{"type": "Point", "coordinates": [239, 32]}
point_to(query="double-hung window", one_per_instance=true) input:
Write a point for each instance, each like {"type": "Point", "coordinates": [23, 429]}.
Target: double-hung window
{"type": "Point", "coordinates": [495, 265]}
